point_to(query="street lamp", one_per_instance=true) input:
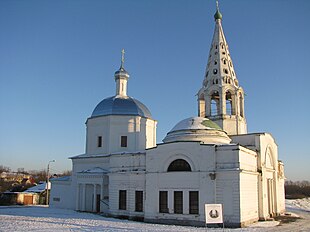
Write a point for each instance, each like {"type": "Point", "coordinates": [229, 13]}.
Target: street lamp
{"type": "Point", "coordinates": [47, 180]}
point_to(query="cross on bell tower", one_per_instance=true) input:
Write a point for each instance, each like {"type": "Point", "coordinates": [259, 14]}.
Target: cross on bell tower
{"type": "Point", "coordinates": [221, 99]}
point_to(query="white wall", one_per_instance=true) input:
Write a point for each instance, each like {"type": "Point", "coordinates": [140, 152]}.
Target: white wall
{"type": "Point", "coordinates": [140, 132]}
{"type": "Point", "coordinates": [62, 195]}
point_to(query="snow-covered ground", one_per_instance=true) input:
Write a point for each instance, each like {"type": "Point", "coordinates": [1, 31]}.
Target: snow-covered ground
{"type": "Point", "coordinates": [40, 218]}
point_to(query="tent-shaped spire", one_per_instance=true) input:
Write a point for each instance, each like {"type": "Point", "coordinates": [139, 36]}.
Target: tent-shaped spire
{"type": "Point", "coordinates": [221, 99]}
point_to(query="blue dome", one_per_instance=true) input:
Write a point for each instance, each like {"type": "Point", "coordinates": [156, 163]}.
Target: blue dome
{"type": "Point", "coordinates": [121, 106]}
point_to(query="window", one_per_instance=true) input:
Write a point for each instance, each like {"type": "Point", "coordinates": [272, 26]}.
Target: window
{"type": "Point", "coordinates": [139, 201]}
{"type": "Point", "coordinates": [123, 141]}
{"type": "Point", "coordinates": [223, 53]}
{"type": "Point", "coordinates": [99, 141]}
{"type": "Point", "coordinates": [163, 202]}
{"type": "Point", "coordinates": [193, 202]}
{"type": "Point", "coordinates": [215, 62]}
{"type": "Point", "coordinates": [225, 71]}
{"type": "Point", "coordinates": [178, 202]}
{"type": "Point", "coordinates": [215, 71]}
{"type": "Point", "coordinates": [122, 200]}
{"type": "Point", "coordinates": [179, 165]}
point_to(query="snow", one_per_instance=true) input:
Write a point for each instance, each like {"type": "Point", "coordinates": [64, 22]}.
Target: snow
{"type": "Point", "coordinates": [38, 188]}
{"type": "Point", "coordinates": [303, 204]}
{"type": "Point", "coordinates": [42, 218]}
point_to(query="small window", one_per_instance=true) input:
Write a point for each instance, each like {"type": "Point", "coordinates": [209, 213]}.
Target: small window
{"type": "Point", "coordinates": [215, 53]}
{"type": "Point", "coordinates": [163, 202]}
{"type": "Point", "coordinates": [123, 141]}
{"type": "Point", "coordinates": [122, 201]}
{"type": "Point", "coordinates": [216, 81]}
{"type": "Point", "coordinates": [225, 71]}
{"type": "Point", "coordinates": [178, 202]}
{"type": "Point", "coordinates": [224, 61]}
{"type": "Point", "coordinates": [139, 201]}
{"type": "Point", "coordinates": [223, 53]}
{"type": "Point", "coordinates": [179, 165]}
{"type": "Point", "coordinates": [215, 46]}
{"type": "Point", "coordinates": [215, 62]}
{"type": "Point", "coordinates": [193, 202]}
{"type": "Point", "coordinates": [215, 71]}
{"type": "Point", "coordinates": [99, 141]}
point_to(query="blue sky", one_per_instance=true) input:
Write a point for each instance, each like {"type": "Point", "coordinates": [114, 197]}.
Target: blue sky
{"type": "Point", "coordinates": [58, 58]}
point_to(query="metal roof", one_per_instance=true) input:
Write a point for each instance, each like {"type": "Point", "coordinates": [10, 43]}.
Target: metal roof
{"type": "Point", "coordinates": [117, 105]}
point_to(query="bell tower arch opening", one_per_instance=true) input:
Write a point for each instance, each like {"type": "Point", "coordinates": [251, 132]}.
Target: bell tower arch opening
{"type": "Point", "coordinates": [215, 103]}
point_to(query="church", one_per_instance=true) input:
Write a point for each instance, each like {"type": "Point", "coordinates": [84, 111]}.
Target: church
{"type": "Point", "coordinates": [205, 159]}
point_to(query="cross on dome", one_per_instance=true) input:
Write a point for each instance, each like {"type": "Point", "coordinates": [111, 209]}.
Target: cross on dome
{"type": "Point", "coordinates": [123, 58]}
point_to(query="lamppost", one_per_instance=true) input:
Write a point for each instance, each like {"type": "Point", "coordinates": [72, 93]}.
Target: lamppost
{"type": "Point", "coordinates": [47, 180]}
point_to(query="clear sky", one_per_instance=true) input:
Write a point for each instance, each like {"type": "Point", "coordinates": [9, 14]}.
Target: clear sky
{"type": "Point", "coordinates": [58, 58]}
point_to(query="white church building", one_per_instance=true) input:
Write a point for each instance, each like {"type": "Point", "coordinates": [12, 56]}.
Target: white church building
{"type": "Point", "coordinates": [205, 159]}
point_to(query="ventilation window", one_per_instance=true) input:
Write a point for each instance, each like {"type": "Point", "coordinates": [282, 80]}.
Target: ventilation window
{"type": "Point", "coordinates": [224, 61]}
{"type": "Point", "coordinates": [215, 62]}
{"type": "Point", "coordinates": [215, 71]}
{"type": "Point", "coordinates": [223, 53]}
{"type": "Point", "coordinates": [215, 46]}
{"type": "Point", "coordinates": [216, 81]}
{"type": "Point", "coordinates": [225, 71]}
{"type": "Point", "coordinates": [179, 165]}
{"type": "Point", "coordinates": [230, 64]}
{"type": "Point", "coordinates": [228, 80]}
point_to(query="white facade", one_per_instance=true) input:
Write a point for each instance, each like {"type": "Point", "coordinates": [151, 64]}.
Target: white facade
{"type": "Point", "coordinates": [123, 173]}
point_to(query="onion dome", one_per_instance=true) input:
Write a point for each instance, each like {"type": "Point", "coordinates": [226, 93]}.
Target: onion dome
{"type": "Point", "coordinates": [218, 14]}
{"type": "Point", "coordinates": [197, 129]}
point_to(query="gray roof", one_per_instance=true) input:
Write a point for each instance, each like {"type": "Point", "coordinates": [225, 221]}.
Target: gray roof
{"type": "Point", "coordinates": [117, 105]}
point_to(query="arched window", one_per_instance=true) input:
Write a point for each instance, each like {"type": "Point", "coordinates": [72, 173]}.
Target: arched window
{"type": "Point", "coordinates": [229, 107]}
{"type": "Point", "coordinates": [215, 103]}
{"type": "Point", "coordinates": [241, 105]}
{"type": "Point", "coordinates": [179, 165]}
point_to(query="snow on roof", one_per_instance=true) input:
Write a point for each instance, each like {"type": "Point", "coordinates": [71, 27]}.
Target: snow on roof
{"type": "Point", "coordinates": [38, 188]}
{"type": "Point", "coordinates": [62, 178]}
{"type": "Point", "coordinates": [95, 170]}
{"type": "Point", "coordinates": [105, 155]}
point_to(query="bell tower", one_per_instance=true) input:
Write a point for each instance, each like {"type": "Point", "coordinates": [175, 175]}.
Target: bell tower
{"type": "Point", "coordinates": [221, 99]}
